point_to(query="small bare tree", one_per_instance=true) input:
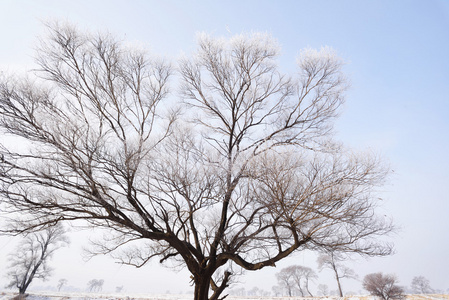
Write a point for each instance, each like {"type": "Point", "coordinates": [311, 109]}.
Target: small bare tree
{"type": "Point", "coordinates": [286, 281]}
{"type": "Point", "coordinates": [247, 175]}
{"type": "Point", "coordinates": [296, 278]}
{"type": "Point", "coordinates": [277, 290]}
{"type": "Point", "coordinates": [241, 291]}
{"type": "Point", "coordinates": [421, 285]}
{"type": "Point", "coordinates": [95, 285]}
{"type": "Point", "coordinates": [30, 260]}
{"type": "Point", "coordinates": [383, 286]}
{"type": "Point", "coordinates": [323, 290]}
{"type": "Point", "coordinates": [332, 260]}
{"type": "Point", "coordinates": [61, 283]}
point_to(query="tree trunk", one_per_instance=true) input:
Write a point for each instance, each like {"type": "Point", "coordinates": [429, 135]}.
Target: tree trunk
{"type": "Point", "coordinates": [24, 287]}
{"type": "Point", "coordinates": [22, 290]}
{"type": "Point", "coordinates": [202, 286]}
{"type": "Point", "coordinates": [307, 287]}
{"type": "Point", "coordinates": [301, 291]}
{"type": "Point", "coordinates": [339, 286]}
{"type": "Point", "coordinates": [334, 267]}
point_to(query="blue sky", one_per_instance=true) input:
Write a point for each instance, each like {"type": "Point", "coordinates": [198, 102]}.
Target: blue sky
{"type": "Point", "coordinates": [397, 55]}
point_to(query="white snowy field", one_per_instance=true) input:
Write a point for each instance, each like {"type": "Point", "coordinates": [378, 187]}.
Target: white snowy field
{"type": "Point", "coordinates": [112, 296]}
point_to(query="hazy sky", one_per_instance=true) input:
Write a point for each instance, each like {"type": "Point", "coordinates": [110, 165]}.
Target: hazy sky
{"type": "Point", "coordinates": [398, 63]}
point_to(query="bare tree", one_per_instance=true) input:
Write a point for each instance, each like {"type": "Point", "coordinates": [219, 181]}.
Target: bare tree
{"type": "Point", "coordinates": [296, 278]}
{"type": "Point", "coordinates": [30, 260]}
{"type": "Point", "coordinates": [286, 280]}
{"type": "Point", "coordinates": [383, 286]}
{"type": "Point", "coordinates": [277, 290]}
{"type": "Point", "coordinates": [95, 285]}
{"type": "Point", "coordinates": [238, 291]}
{"type": "Point", "coordinates": [309, 275]}
{"type": "Point", "coordinates": [332, 260]}
{"type": "Point", "coordinates": [421, 285]}
{"type": "Point", "coordinates": [323, 289]}
{"type": "Point", "coordinates": [244, 177]}
{"type": "Point", "coordinates": [255, 291]}
{"type": "Point", "coordinates": [61, 283]}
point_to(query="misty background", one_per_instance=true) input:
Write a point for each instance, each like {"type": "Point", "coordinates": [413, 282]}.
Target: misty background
{"type": "Point", "coordinates": [397, 106]}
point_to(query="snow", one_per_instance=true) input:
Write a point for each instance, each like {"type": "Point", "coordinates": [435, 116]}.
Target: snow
{"type": "Point", "coordinates": [112, 296]}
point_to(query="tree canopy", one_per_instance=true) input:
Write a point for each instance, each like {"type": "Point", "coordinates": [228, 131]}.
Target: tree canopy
{"type": "Point", "coordinates": [236, 167]}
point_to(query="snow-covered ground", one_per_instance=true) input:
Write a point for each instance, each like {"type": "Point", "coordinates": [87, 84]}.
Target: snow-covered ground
{"type": "Point", "coordinates": [103, 296]}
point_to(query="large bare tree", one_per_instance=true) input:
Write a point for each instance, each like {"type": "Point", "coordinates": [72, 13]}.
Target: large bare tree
{"type": "Point", "coordinates": [30, 260]}
{"type": "Point", "coordinates": [238, 174]}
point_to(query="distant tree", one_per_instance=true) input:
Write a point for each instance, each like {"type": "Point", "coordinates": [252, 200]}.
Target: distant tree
{"type": "Point", "coordinates": [332, 260]}
{"type": "Point", "coordinates": [119, 289]}
{"type": "Point", "coordinates": [286, 280]}
{"type": "Point", "coordinates": [323, 289]}
{"type": "Point", "coordinates": [255, 291]}
{"type": "Point", "coordinates": [309, 275]}
{"type": "Point", "coordinates": [296, 278]}
{"type": "Point", "coordinates": [61, 283]}
{"type": "Point", "coordinates": [265, 293]}
{"type": "Point", "coordinates": [95, 285]}
{"type": "Point", "coordinates": [334, 293]}
{"type": "Point", "coordinates": [241, 291]}
{"type": "Point", "coordinates": [421, 285]}
{"type": "Point", "coordinates": [277, 291]}
{"type": "Point", "coordinates": [30, 260]}
{"type": "Point", "coordinates": [240, 172]}
{"type": "Point", "coordinates": [383, 286]}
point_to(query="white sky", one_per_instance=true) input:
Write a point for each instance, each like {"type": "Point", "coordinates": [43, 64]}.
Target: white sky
{"type": "Point", "coordinates": [398, 63]}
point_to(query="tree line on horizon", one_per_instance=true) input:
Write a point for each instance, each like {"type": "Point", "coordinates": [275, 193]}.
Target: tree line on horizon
{"type": "Point", "coordinates": [30, 261]}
